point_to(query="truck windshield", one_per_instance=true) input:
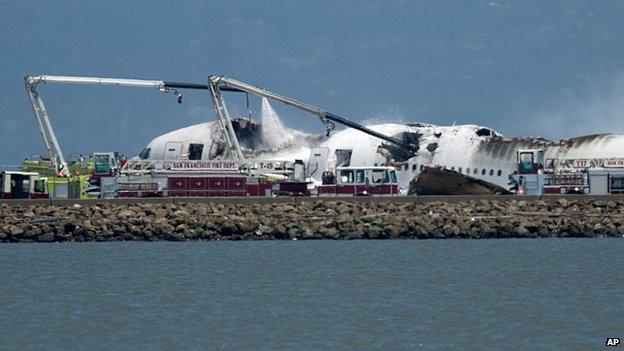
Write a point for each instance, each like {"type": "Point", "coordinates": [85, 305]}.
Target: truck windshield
{"type": "Point", "coordinates": [393, 177]}
{"type": "Point", "coordinates": [359, 176]}
{"type": "Point", "coordinates": [526, 162]}
{"type": "Point", "coordinates": [540, 159]}
{"type": "Point", "coordinates": [102, 165]}
{"type": "Point", "coordinates": [346, 176]}
{"type": "Point", "coordinates": [380, 176]}
{"type": "Point", "coordinates": [40, 186]}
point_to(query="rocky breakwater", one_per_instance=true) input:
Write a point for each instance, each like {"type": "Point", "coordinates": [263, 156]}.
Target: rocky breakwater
{"type": "Point", "coordinates": [312, 220]}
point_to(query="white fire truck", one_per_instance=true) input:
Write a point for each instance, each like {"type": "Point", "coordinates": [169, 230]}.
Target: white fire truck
{"type": "Point", "coordinates": [535, 175]}
{"type": "Point", "coordinates": [23, 185]}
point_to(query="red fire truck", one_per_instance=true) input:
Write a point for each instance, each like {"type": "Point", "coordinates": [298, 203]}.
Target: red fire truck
{"type": "Point", "coordinates": [359, 181]}
{"type": "Point", "coordinates": [225, 178]}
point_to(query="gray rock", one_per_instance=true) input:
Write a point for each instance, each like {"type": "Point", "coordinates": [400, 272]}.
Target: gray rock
{"type": "Point", "coordinates": [522, 231]}
{"type": "Point", "coordinates": [281, 227]}
{"type": "Point", "coordinates": [393, 231]}
{"type": "Point", "coordinates": [563, 203]}
{"type": "Point", "coordinates": [248, 226]}
{"type": "Point", "coordinates": [46, 238]}
{"type": "Point", "coordinates": [450, 230]}
{"type": "Point", "coordinates": [15, 231]}
{"type": "Point", "coordinates": [330, 233]}
{"type": "Point", "coordinates": [181, 214]}
{"type": "Point", "coordinates": [344, 218]}
{"type": "Point", "coordinates": [331, 212]}
{"type": "Point", "coordinates": [182, 228]}
{"type": "Point", "coordinates": [126, 214]}
{"type": "Point", "coordinates": [69, 227]}
{"type": "Point", "coordinates": [374, 232]}
{"type": "Point", "coordinates": [266, 230]}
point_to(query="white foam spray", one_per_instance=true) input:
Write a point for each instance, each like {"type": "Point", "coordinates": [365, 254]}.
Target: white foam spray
{"type": "Point", "coordinates": [274, 134]}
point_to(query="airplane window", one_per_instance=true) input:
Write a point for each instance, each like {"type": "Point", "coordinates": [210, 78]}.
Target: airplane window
{"type": "Point", "coordinates": [405, 167]}
{"type": "Point", "coordinates": [343, 158]}
{"type": "Point", "coordinates": [414, 167]}
{"type": "Point", "coordinates": [491, 172]}
{"type": "Point", "coordinates": [453, 168]}
{"type": "Point", "coordinates": [483, 132]}
{"type": "Point", "coordinates": [195, 151]}
{"type": "Point", "coordinates": [459, 170]}
{"type": "Point", "coordinates": [467, 170]}
{"type": "Point", "coordinates": [499, 173]}
{"type": "Point", "coordinates": [421, 167]}
{"type": "Point", "coordinates": [432, 147]}
{"type": "Point", "coordinates": [475, 171]}
{"type": "Point", "coordinates": [483, 171]}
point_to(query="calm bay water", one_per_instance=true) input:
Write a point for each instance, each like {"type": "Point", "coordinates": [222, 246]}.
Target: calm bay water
{"type": "Point", "coordinates": [429, 295]}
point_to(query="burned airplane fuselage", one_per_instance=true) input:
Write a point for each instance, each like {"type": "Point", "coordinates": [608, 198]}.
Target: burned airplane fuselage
{"type": "Point", "coordinates": [475, 151]}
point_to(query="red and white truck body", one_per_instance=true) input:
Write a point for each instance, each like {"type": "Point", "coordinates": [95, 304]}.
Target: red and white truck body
{"type": "Point", "coordinates": [536, 176]}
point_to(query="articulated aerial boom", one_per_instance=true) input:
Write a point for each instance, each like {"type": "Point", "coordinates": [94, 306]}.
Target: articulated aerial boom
{"type": "Point", "coordinates": [217, 83]}
{"type": "Point", "coordinates": [43, 120]}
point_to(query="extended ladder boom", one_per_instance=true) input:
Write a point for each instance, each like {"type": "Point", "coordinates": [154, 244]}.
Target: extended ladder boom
{"type": "Point", "coordinates": [43, 120]}
{"type": "Point", "coordinates": [216, 84]}
{"type": "Point", "coordinates": [224, 83]}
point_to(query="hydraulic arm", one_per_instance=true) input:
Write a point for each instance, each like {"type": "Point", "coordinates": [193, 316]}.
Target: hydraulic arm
{"type": "Point", "coordinates": [218, 83]}
{"type": "Point", "coordinates": [43, 120]}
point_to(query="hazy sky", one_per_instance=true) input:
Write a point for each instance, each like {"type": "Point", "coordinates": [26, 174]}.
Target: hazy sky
{"type": "Point", "coordinates": [547, 68]}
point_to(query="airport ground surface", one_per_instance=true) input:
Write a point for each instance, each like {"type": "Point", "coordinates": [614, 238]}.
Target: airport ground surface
{"type": "Point", "coordinates": [183, 219]}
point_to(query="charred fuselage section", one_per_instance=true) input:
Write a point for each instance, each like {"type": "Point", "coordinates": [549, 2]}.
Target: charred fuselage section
{"type": "Point", "coordinates": [252, 139]}
{"type": "Point", "coordinates": [248, 132]}
{"type": "Point", "coordinates": [401, 154]}
{"type": "Point", "coordinates": [505, 149]}
{"type": "Point", "coordinates": [440, 181]}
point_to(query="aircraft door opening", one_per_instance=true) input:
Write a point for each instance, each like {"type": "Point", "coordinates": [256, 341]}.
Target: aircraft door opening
{"type": "Point", "coordinates": [317, 163]}
{"type": "Point", "coordinates": [173, 150]}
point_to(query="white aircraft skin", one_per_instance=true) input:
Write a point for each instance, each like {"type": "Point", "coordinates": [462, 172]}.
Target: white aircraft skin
{"type": "Point", "coordinates": [204, 133]}
{"type": "Point", "coordinates": [472, 150]}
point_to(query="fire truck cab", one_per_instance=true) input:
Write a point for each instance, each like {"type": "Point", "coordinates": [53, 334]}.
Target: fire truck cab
{"type": "Point", "coordinates": [23, 185]}
{"type": "Point", "coordinates": [536, 176]}
{"type": "Point", "coordinates": [529, 174]}
{"type": "Point", "coordinates": [359, 181]}
{"type": "Point", "coordinates": [105, 164]}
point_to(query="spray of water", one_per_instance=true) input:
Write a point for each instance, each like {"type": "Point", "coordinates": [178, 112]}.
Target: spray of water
{"type": "Point", "coordinates": [274, 134]}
